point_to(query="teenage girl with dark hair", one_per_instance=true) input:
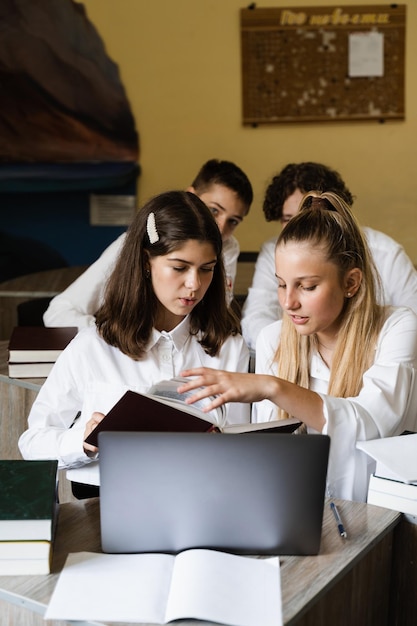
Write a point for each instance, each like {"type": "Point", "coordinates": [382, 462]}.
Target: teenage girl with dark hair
{"type": "Point", "coordinates": [164, 310]}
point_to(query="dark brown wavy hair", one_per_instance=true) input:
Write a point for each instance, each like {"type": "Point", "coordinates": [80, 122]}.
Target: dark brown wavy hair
{"type": "Point", "coordinates": [128, 312]}
{"type": "Point", "coordinates": [307, 176]}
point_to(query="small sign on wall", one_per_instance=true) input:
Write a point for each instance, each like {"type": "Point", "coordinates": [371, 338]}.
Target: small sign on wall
{"type": "Point", "coordinates": [320, 63]}
{"type": "Point", "coordinates": [111, 210]}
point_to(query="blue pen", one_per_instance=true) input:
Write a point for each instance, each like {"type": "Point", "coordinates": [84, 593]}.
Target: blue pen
{"type": "Point", "coordinates": [340, 527]}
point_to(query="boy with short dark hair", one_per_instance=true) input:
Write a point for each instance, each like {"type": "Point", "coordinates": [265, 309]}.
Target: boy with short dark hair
{"type": "Point", "coordinates": [227, 192]}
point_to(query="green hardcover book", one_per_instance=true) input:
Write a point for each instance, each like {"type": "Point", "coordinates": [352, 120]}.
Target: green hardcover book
{"type": "Point", "coordinates": [28, 502]}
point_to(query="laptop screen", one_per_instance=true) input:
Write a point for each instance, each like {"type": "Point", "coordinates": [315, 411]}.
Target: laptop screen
{"type": "Point", "coordinates": [167, 492]}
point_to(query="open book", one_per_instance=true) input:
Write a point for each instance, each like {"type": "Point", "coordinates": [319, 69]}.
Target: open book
{"type": "Point", "coordinates": [160, 588]}
{"type": "Point", "coordinates": [164, 409]}
{"type": "Point", "coordinates": [166, 391]}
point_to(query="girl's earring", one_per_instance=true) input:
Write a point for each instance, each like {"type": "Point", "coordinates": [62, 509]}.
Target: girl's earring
{"type": "Point", "coordinates": [147, 273]}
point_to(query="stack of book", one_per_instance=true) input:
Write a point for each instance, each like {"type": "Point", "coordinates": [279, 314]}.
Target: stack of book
{"type": "Point", "coordinates": [393, 485]}
{"type": "Point", "coordinates": [28, 513]}
{"type": "Point", "coordinates": [33, 350]}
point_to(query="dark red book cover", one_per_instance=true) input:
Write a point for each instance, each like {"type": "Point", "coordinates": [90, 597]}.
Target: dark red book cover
{"type": "Point", "coordinates": [137, 412]}
{"type": "Point", "coordinates": [39, 343]}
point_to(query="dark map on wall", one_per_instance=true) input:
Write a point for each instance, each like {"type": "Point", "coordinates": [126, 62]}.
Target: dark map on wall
{"type": "Point", "coordinates": [61, 96]}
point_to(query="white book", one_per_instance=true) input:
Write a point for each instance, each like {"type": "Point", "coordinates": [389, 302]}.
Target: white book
{"type": "Point", "coordinates": [396, 457]}
{"type": "Point", "coordinates": [24, 567]}
{"type": "Point", "coordinates": [392, 494]}
{"type": "Point", "coordinates": [159, 588]}
{"type": "Point", "coordinates": [25, 550]}
{"type": "Point", "coordinates": [25, 557]}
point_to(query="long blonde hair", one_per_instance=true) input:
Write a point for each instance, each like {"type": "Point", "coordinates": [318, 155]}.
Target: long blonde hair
{"type": "Point", "coordinates": [325, 220]}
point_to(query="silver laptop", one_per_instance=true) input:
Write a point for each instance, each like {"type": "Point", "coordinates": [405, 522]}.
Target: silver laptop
{"type": "Point", "coordinates": [246, 493]}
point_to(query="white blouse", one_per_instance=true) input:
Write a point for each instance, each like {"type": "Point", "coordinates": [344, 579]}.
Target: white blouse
{"type": "Point", "coordinates": [79, 302]}
{"type": "Point", "coordinates": [90, 375]}
{"type": "Point", "coordinates": [385, 406]}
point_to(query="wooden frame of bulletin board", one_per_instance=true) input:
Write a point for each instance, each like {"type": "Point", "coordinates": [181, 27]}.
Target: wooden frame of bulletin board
{"type": "Point", "coordinates": [328, 63]}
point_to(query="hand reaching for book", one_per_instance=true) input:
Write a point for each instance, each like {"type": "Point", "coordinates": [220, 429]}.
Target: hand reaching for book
{"type": "Point", "coordinates": [227, 386]}
{"type": "Point", "coordinates": [301, 403]}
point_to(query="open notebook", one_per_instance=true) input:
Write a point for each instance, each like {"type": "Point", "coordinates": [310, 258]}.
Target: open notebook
{"type": "Point", "coordinates": [167, 492]}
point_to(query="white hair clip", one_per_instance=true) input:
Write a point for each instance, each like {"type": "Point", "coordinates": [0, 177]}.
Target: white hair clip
{"type": "Point", "coordinates": [151, 228]}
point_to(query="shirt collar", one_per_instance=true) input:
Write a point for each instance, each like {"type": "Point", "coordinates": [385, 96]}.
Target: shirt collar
{"type": "Point", "coordinates": [318, 368]}
{"type": "Point", "coordinates": [178, 335]}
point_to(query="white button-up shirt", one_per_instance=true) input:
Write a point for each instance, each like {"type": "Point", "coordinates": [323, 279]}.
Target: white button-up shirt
{"type": "Point", "coordinates": [90, 375]}
{"type": "Point", "coordinates": [385, 406]}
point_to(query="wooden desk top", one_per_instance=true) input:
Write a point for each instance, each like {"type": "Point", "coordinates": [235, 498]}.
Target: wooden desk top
{"type": "Point", "coordinates": [41, 284]}
{"type": "Point", "coordinates": [303, 579]}
{"type": "Point", "coordinates": [18, 290]}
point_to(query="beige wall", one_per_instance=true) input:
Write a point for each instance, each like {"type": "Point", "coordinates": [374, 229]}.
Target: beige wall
{"type": "Point", "coordinates": [180, 63]}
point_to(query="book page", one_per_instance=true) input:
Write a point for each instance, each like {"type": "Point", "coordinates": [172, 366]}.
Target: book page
{"type": "Point", "coordinates": [216, 586]}
{"type": "Point", "coordinates": [112, 588]}
{"type": "Point", "coordinates": [225, 588]}
{"type": "Point", "coordinates": [177, 402]}
{"type": "Point", "coordinates": [288, 425]}
{"type": "Point", "coordinates": [167, 390]}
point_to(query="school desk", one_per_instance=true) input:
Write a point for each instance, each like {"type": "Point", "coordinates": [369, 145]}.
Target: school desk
{"type": "Point", "coordinates": [372, 575]}
{"type": "Point", "coordinates": [347, 583]}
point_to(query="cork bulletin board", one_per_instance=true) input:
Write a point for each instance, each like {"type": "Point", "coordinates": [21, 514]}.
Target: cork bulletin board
{"type": "Point", "coordinates": [319, 63]}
